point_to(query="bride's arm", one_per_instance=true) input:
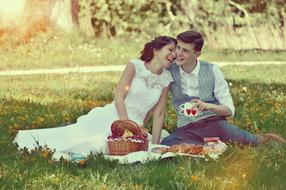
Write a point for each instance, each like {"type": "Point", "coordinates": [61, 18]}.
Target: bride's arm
{"type": "Point", "coordinates": [158, 116]}
{"type": "Point", "coordinates": [122, 90]}
{"type": "Point", "coordinates": [147, 117]}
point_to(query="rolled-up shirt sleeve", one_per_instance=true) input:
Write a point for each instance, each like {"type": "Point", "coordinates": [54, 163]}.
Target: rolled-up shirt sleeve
{"type": "Point", "coordinates": [221, 90]}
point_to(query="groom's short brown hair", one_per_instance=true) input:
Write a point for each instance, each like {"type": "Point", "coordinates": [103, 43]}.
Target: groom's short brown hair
{"type": "Point", "coordinates": [192, 37]}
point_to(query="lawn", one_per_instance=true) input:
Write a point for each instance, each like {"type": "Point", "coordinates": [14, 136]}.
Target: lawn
{"type": "Point", "coordinates": [49, 100]}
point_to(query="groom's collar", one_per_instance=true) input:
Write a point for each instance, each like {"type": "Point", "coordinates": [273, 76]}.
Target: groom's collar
{"type": "Point", "coordinates": [195, 71]}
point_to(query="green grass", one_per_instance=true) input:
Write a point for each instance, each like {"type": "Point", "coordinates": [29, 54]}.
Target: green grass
{"type": "Point", "coordinates": [264, 74]}
{"type": "Point", "coordinates": [40, 101]}
{"type": "Point", "coordinates": [229, 55]}
{"type": "Point", "coordinates": [56, 50]}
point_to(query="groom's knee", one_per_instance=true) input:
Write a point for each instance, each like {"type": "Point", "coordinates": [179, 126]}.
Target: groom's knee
{"type": "Point", "coordinates": [170, 140]}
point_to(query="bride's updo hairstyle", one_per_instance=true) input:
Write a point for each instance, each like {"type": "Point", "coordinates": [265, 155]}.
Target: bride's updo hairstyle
{"type": "Point", "coordinates": [157, 43]}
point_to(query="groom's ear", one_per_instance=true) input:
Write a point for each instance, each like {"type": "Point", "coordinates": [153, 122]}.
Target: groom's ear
{"type": "Point", "coordinates": [198, 53]}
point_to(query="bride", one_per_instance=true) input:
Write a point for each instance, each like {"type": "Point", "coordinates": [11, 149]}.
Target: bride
{"type": "Point", "coordinates": [142, 89]}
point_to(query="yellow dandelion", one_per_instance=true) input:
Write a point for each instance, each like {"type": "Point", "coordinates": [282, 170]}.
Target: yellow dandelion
{"type": "Point", "coordinates": [50, 162]}
{"type": "Point", "coordinates": [40, 119]}
{"type": "Point", "coordinates": [66, 118]}
{"type": "Point", "coordinates": [181, 168]}
{"type": "Point", "coordinates": [91, 103]}
{"type": "Point", "coordinates": [103, 187]}
{"type": "Point", "coordinates": [33, 127]}
{"type": "Point", "coordinates": [243, 176]}
{"type": "Point", "coordinates": [194, 178]}
{"type": "Point", "coordinates": [76, 178]}
{"type": "Point", "coordinates": [16, 127]}
{"type": "Point", "coordinates": [82, 162]}
{"type": "Point", "coordinates": [45, 154]}
{"type": "Point", "coordinates": [244, 89]}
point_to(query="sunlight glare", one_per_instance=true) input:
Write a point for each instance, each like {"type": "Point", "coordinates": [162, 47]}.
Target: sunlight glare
{"type": "Point", "coordinates": [10, 11]}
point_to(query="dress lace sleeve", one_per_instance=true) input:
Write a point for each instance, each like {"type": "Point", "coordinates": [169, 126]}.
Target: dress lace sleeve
{"type": "Point", "coordinates": [167, 78]}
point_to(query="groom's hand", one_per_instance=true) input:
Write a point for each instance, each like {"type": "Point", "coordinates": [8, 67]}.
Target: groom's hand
{"type": "Point", "coordinates": [218, 109]}
{"type": "Point", "coordinates": [201, 105]}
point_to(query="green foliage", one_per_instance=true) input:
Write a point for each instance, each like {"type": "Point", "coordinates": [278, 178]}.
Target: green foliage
{"type": "Point", "coordinates": [128, 17]}
{"type": "Point", "coordinates": [215, 19]}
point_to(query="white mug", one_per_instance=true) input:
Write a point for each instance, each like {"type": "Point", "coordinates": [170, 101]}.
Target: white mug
{"type": "Point", "coordinates": [189, 109]}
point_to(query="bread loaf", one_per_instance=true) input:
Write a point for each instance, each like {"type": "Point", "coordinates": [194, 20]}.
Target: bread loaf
{"type": "Point", "coordinates": [118, 128]}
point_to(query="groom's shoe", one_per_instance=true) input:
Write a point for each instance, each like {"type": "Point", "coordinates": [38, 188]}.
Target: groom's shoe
{"type": "Point", "coordinates": [269, 137]}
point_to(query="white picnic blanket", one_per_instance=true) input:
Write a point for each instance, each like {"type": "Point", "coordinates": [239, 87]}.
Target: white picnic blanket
{"type": "Point", "coordinates": [145, 156]}
{"type": "Point", "coordinates": [140, 156]}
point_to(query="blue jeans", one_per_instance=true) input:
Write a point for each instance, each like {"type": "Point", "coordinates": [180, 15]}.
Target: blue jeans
{"type": "Point", "coordinates": [216, 126]}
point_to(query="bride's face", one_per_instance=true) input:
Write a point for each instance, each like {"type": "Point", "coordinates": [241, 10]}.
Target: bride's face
{"type": "Point", "coordinates": [166, 55]}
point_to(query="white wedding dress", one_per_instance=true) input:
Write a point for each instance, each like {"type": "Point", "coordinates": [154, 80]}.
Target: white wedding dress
{"type": "Point", "coordinates": [89, 133]}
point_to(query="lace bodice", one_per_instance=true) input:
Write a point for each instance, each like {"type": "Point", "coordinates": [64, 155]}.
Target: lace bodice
{"type": "Point", "coordinates": [145, 91]}
{"type": "Point", "coordinates": [151, 80]}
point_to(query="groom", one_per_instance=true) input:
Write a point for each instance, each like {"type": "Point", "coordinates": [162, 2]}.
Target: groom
{"type": "Point", "coordinates": [203, 84]}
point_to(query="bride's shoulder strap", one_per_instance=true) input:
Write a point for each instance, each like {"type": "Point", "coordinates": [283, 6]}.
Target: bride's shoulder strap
{"type": "Point", "coordinates": [167, 77]}
{"type": "Point", "coordinates": [137, 64]}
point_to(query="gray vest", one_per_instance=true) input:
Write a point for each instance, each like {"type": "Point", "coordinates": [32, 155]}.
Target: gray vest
{"type": "Point", "coordinates": [206, 92]}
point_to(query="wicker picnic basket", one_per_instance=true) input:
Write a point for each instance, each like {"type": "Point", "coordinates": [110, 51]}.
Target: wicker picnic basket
{"type": "Point", "coordinates": [121, 144]}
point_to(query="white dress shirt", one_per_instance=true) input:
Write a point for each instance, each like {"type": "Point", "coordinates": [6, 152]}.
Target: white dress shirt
{"type": "Point", "coordinates": [190, 85]}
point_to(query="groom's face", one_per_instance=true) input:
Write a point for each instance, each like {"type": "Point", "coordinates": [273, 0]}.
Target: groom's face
{"type": "Point", "coordinates": [185, 53]}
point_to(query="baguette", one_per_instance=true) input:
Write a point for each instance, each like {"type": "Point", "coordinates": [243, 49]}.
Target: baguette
{"type": "Point", "coordinates": [181, 148]}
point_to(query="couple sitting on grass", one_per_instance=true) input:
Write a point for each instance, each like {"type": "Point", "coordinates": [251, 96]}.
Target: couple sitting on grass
{"type": "Point", "coordinates": [143, 89]}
